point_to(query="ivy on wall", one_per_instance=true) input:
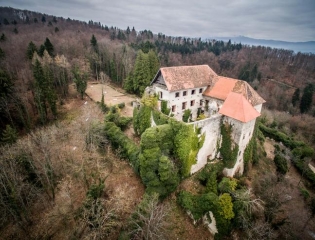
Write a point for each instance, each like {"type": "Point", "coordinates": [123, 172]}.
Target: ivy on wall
{"type": "Point", "coordinates": [228, 149]}
{"type": "Point", "coordinates": [164, 108]}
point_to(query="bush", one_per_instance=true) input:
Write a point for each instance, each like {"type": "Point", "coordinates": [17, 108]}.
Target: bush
{"type": "Point", "coordinates": [281, 164]}
{"type": "Point", "coordinates": [208, 176]}
{"type": "Point", "coordinates": [304, 193]}
{"type": "Point", "coordinates": [119, 140]}
{"type": "Point", "coordinates": [114, 116]}
{"type": "Point", "coordinates": [159, 118]}
{"type": "Point", "coordinates": [305, 170]}
{"type": "Point", "coordinates": [157, 171]}
{"type": "Point", "coordinates": [186, 115]}
{"type": "Point", "coordinates": [280, 137]}
{"type": "Point", "coordinates": [227, 185]}
{"type": "Point", "coordinates": [142, 119]}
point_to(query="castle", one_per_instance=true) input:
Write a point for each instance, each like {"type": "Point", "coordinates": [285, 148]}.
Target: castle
{"type": "Point", "coordinates": [211, 100]}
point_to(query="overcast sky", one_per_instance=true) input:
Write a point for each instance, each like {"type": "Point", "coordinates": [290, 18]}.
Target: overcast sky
{"type": "Point", "coordinates": [288, 20]}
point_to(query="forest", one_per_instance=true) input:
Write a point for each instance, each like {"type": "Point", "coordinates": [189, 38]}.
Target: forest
{"type": "Point", "coordinates": [73, 168]}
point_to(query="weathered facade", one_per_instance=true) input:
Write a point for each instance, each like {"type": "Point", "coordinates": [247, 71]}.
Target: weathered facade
{"type": "Point", "coordinates": [217, 99]}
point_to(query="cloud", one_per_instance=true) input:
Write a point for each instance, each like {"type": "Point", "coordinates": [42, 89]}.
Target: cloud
{"type": "Point", "coordinates": [290, 20]}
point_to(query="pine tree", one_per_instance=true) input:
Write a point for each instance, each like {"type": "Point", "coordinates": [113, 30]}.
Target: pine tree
{"type": "Point", "coordinates": [296, 97]}
{"type": "Point", "coordinates": [49, 47]}
{"type": "Point", "coordinates": [41, 50]}
{"type": "Point", "coordinates": [9, 135]}
{"type": "Point", "coordinates": [30, 50]}
{"type": "Point", "coordinates": [3, 38]}
{"type": "Point", "coordinates": [80, 80]}
{"type": "Point", "coordinates": [43, 19]}
{"type": "Point", "coordinates": [94, 44]}
{"type": "Point", "coordinates": [307, 97]}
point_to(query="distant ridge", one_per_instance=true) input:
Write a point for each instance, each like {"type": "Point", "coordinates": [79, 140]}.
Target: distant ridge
{"type": "Point", "coordinates": [303, 47]}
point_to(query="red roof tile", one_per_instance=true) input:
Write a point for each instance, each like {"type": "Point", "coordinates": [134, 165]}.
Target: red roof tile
{"type": "Point", "coordinates": [222, 86]}
{"type": "Point", "coordinates": [187, 77]}
{"type": "Point", "coordinates": [236, 106]}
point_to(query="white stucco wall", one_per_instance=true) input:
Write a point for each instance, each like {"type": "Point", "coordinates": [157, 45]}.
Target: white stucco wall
{"type": "Point", "coordinates": [241, 133]}
{"type": "Point", "coordinates": [172, 100]}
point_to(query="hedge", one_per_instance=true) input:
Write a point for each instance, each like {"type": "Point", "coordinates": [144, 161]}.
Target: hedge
{"type": "Point", "coordinates": [119, 140]}
{"type": "Point", "coordinates": [280, 137]}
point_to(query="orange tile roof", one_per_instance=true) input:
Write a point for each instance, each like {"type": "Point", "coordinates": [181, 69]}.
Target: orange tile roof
{"type": "Point", "coordinates": [236, 106]}
{"type": "Point", "coordinates": [222, 86]}
{"type": "Point", "coordinates": [186, 77]}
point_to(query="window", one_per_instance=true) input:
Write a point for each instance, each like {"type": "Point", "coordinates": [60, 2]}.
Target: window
{"type": "Point", "coordinates": [184, 105]}
{"type": "Point", "coordinates": [200, 90]}
{"type": "Point", "coordinates": [177, 94]}
{"type": "Point", "coordinates": [193, 92]}
{"type": "Point", "coordinates": [173, 108]}
{"type": "Point", "coordinates": [201, 102]}
{"type": "Point", "coordinates": [192, 103]}
{"type": "Point", "coordinates": [184, 93]}
{"type": "Point", "coordinates": [161, 95]}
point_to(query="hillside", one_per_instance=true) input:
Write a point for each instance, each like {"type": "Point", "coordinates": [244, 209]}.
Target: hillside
{"type": "Point", "coordinates": [67, 174]}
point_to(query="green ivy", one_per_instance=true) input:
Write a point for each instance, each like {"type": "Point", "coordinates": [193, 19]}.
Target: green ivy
{"type": "Point", "coordinates": [159, 118]}
{"type": "Point", "coordinates": [164, 108]}
{"type": "Point", "coordinates": [199, 205]}
{"type": "Point", "coordinates": [186, 115]}
{"type": "Point", "coordinates": [227, 150]}
{"type": "Point", "coordinates": [186, 146]}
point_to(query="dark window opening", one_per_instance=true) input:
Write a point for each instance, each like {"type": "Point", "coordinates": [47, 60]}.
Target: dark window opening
{"type": "Point", "coordinates": [184, 105]}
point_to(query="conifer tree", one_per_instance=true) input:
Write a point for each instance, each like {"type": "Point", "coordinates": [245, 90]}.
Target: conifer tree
{"type": "Point", "coordinates": [49, 47]}
{"type": "Point", "coordinates": [307, 97]}
{"type": "Point", "coordinates": [296, 97]}
{"type": "Point", "coordinates": [80, 80]}
{"type": "Point", "coordinates": [41, 50]}
{"type": "Point", "coordinates": [9, 135]}
{"type": "Point", "coordinates": [94, 44]}
{"type": "Point", "coordinates": [145, 69]}
{"type": "Point", "coordinates": [30, 50]}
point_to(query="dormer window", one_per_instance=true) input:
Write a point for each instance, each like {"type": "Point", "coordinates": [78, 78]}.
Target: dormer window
{"type": "Point", "coordinates": [200, 90]}
{"type": "Point", "coordinates": [193, 92]}
{"type": "Point", "coordinates": [177, 94]}
{"type": "Point", "coordinates": [184, 93]}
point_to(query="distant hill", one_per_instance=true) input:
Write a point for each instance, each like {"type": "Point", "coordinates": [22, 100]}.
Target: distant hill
{"type": "Point", "coordinates": [303, 47]}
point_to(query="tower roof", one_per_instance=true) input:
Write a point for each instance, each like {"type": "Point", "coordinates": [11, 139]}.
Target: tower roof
{"type": "Point", "coordinates": [237, 107]}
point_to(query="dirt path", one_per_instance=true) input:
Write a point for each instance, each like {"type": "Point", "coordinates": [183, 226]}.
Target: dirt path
{"type": "Point", "coordinates": [112, 96]}
{"type": "Point", "coordinates": [269, 148]}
